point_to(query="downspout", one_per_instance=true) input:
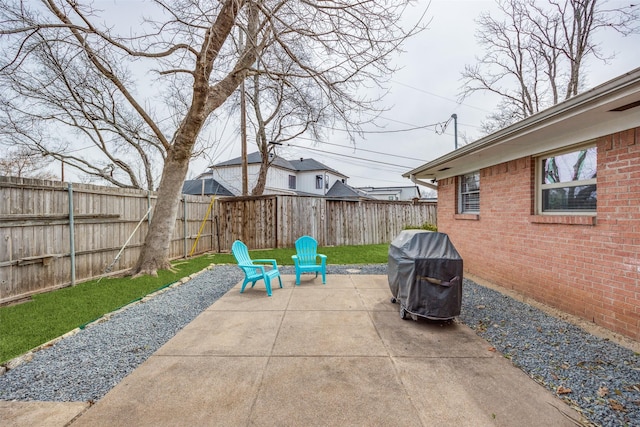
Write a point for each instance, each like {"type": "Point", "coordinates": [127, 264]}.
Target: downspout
{"type": "Point", "coordinates": [423, 183]}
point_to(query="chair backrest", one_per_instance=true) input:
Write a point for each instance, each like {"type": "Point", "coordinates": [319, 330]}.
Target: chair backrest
{"type": "Point", "coordinates": [307, 249]}
{"type": "Point", "coordinates": [241, 253]}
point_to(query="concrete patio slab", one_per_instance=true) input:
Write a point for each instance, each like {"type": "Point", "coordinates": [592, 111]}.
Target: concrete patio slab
{"type": "Point", "coordinates": [253, 300]}
{"type": "Point", "coordinates": [310, 281]}
{"type": "Point", "coordinates": [328, 333]}
{"type": "Point", "coordinates": [366, 281]}
{"type": "Point", "coordinates": [377, 299]}
{"type": "Point", "coordinates": [39, 414]}
{"type": "Point", "coordinates": [333, 391]}
{"type": "Point", "coordinates": [478, 392]}
{"type": "Point", "coordinates": [318, 299]}
{"type": "Point", "coordinates": [182, 391]}
{"type": "Point", "coordinates": [423, 338]}
{"type": "Point", "coordinates": [233, 333]}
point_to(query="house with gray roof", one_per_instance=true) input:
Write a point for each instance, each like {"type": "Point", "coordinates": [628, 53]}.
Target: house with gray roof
{"type": "Point", "coordinates": [205, 186]}
{"type": "Point", "coordinates": [340, 190]}
{"type": "Point", "coordinates": [396, 193]}
{"type": "Point", "coordinates": [297, 177]}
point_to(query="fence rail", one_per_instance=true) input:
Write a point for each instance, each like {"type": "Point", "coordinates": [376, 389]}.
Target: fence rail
{"type": "Point", "coordinates": [54, 234]}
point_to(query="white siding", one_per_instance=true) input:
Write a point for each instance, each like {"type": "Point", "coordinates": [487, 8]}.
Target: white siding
{"type": "Point", "coordinates": [392, 193]}
{"type": "Point", "coordinates": [334, 177]}
{"type": "Point", "coordinates": [277, 179]}
{"type": "Point", "coordinates": [231, 178]}
{"type": "Point", "coordinates": [307, 182]}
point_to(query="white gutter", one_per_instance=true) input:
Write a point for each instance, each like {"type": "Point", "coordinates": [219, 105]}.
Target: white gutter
{"type": "Point", "coordinates": [415, 180]}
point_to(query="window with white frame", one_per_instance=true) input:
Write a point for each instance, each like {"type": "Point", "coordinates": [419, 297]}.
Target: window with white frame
{"type": "Point", "coordinates": [469, 193]}
{"type": "Point", "coordinates": [292, 182]}
{"type": "Point", "coordinates": [319, 179]}
{"type": "Point", "coordinates": [567, 182]}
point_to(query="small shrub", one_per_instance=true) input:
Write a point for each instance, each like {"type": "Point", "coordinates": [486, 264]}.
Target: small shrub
{"type": "Point", "coordinates": [426, 226]}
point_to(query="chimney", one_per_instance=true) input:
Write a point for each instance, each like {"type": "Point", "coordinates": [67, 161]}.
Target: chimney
{"type": "Point", "coordinates": [301, 159]}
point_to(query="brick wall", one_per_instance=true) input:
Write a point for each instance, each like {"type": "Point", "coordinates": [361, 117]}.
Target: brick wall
{"type": "Point", "coordinates": [584, 266]}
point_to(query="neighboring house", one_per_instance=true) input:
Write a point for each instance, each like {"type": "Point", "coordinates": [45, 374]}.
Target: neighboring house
{"type": "Point", "coordinates": [392, 193]}
{"type": "Point", "coordinates": [340, 190]}
{"type": "Point", "coordinates": [550, 206]}
{"type": "Point", "coordinates": [205, 186]}
{"type": "Point", "coordinates": [302, 177]}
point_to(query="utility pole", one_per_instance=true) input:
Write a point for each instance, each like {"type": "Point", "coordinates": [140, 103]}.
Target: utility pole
{"type": "Point", "coordinates": [243, 131]}
{"type": "Point", "coordinates": [455, 130]}
{"type": "Point", "coordinates": [243, 126]}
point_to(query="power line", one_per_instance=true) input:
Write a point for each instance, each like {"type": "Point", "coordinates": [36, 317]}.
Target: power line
{"type": "Point", "coordinates": [362, 149]}
{"type": "Point", "coordinates": [345, 155]}
{"type": "Point", "coordinates": [388, 131]}
{"type": "Point", "coordinates": [414, 125]}
{"type": "Point", "coordinates": [378, 179]}
{"type": "Point", "coordinates": [440, 96]}
{"type": "Point", "coordinates": [436, 126]}
{"type": "Point", "coordinates": [370, 165]}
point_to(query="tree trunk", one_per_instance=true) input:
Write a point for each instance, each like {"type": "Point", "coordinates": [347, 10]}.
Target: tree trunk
{"type": "Point", "coordinates": [262, 176]}
{"type": "Point", "coordinates": [205, 99]}
{"type": "Point", "coordinates": [155, 252]}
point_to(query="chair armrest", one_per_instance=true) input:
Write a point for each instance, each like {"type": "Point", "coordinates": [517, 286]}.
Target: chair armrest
{"type": "Point", "coordinates": [261, 267]}
{"type": "Point", "coordinates": [323, 259]}
{"type": "Point", "coordinates": [266, 261]}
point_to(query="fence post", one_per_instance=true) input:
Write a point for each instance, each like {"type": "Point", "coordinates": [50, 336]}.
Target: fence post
{"type": "Point", "coordinates": [72, 239]}
{"type": "Point", "coordinates": [149, 207]}
{"type": "Point", "coordinates": [184, 223]}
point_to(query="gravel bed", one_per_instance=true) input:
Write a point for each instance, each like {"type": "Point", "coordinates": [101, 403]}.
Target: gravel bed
{"type": "Point", "coordinates": [594, 375]}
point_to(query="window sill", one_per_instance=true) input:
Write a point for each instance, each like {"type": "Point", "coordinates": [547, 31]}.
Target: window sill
{"type": "Point", "coordinates": [563, 219]}
{"type": "Point", "coordinates": [467, 217]}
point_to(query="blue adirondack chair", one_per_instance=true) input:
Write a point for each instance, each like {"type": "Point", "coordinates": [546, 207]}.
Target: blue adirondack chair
{"type": "Point", "coordinates": [253, 271]}
{"type": "Point", "coordinates": [306, 259]}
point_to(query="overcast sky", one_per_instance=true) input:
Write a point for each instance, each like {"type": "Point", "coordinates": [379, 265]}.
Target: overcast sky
{"type": "Point", "coordinates": [423, 92]}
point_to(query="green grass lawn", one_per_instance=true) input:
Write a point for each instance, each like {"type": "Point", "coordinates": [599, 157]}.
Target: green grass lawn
{"type": "Point", "coordinates": [49, 315]}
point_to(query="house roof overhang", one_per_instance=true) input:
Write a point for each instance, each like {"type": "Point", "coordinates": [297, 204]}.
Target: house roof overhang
{"type": "Point", "coordinates": [611, 107]}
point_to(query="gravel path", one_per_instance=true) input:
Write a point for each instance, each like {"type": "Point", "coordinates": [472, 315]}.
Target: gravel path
{"type": "Point", "coordinates": [596, 376]}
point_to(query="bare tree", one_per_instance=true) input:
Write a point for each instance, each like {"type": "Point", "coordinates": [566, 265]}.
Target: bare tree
{"type": "Point", "coordinates": [536, 52]}
{"type": "Point", "coordinates": [24, 163]}
{"type": "Point", "coordinates": [190, 48]}
{"type": "Point", "coordinates": [60, 98]}
{"type": "Point", "coordinates": [284, 107]}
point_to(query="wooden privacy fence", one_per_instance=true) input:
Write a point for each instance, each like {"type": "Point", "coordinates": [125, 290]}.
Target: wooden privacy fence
{"type": "Point", "coordinates": [277, 221]}
{"type": "Point", "coordinates": [54, 234]}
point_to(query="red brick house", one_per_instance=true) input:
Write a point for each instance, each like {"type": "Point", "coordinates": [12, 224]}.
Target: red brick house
{"type": "Point", "coordinates": [550, 206]}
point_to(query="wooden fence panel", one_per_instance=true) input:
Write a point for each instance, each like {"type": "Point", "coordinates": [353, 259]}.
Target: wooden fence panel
{"type": "Point", "coordinates": [299, 216]}
{"type": "Point", "coordinates": [253, 220]}
{"type": "Point", "coordinates": [373, 222]}
{"type": "Point", "coordinates": [33, 228]}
